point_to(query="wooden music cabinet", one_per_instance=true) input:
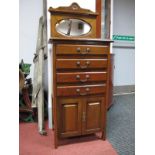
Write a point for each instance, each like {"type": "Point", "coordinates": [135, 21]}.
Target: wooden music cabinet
{"type": "Point", "coordinates": [80, 81]}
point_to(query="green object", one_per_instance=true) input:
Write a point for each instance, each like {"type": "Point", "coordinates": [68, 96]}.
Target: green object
{"type": "Point", "coordinates": [123, 38]}
{"type": "Point", "coordinates": [21, 104]}
{"type": "Point", "coordinates": [26, 68]}
{"type": "Point", "coordinates": [29, 118]}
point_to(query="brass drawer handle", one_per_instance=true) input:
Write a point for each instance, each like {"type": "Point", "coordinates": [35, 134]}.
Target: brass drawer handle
{"type": "Point", "coordinates": [82, 80]}
{"type": "Point", "coordinates": [87, 76]}
{"type": "Point", "coordinates": [87, 63]}
{"type": "Point", "coordinates": [83, 52]}
{"type": "Point", "coordinates": [88, 50]}
{"type": "Point", "coordinates": [82, 94]}
{"type": "Point", "coordinates": [78, 63]}
{"type": "Point", "coordinates": [77, 90]}
{"type": "Point", "coordinates": [78, 49]}
{"type": "Point", "coordinates": [87, 89]}
{"type": "Point", "coordinates": [77, 76]}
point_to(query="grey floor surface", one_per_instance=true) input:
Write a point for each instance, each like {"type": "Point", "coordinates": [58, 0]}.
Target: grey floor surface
{"type": "Point", "coordinates": [121, 124]}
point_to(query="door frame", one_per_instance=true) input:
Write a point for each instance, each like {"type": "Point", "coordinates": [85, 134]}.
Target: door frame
{"type": "Point", "coordinates": [99, 18]}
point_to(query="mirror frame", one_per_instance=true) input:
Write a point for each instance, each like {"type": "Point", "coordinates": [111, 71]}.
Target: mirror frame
{"type": "Point", "coordinates": [74, 11]}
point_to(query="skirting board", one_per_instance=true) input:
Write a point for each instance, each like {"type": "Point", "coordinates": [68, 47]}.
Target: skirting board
{"type": "Point", "coordinates": [126, 89]}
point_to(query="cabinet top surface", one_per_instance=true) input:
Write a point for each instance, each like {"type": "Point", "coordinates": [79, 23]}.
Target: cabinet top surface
{"type": "Point", "coordinates": [77, 40]}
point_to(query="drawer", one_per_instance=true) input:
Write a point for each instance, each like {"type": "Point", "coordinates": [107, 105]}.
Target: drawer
{"type": "Point", "coordinates": [82, 49]}
{"type": "Point", "coordinates": [81, 77]}
{"type": "Point", "coordinates": [81, 90]}
{"type": "Point", "coordinates": [81, 63]}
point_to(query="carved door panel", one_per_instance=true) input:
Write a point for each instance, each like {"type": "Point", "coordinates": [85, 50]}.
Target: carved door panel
{"type": "Point", "coordinates": [69, 117]}
{"type": "Point", "coordinates": [93, 114]}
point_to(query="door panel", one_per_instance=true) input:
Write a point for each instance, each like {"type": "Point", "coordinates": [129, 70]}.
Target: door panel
{"type": "Point", "coordinates": [94, 113]}
{"type": "Point", "coordinates": [69, 117]}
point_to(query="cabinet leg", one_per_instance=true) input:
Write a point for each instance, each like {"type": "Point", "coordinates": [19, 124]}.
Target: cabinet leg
{"type": "Point", "coordinates": [55, 141]}
{"type": "Point", "coordinates": [56, 146]}
{"type": "Point", "coordinates": [103, 135]}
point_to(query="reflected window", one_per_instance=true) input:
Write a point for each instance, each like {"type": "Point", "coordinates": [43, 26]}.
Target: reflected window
{"type": "Point", "coordinates": [73, 27]}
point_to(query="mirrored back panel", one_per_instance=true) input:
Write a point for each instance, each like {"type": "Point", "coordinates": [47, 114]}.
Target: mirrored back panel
{"type": "Point", "coordinates": [73, 22]}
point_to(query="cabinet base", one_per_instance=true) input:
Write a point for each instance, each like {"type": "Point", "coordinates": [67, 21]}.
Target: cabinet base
{"type": "Point", "coordinates": [80, 139]}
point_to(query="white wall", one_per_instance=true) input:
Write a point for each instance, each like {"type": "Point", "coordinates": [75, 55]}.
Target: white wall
{"type": "Point", "coordinates": [83, 3]}
{"type": "Point", "coordinates": [124, 17]}
{"type": "Point", "coordinates": [124, 24]}
{"type": "Point", "coordinates": [124, 73]}
{"type": "Point", "coordinates": [29, 13]}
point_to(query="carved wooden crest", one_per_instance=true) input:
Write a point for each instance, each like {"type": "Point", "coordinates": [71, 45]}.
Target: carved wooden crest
{"type": "Point", "coordinates": [74, 8]}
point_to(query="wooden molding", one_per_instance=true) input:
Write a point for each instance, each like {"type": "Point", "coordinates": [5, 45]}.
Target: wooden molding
{"type": "Point", "coordinates": [74, 8]}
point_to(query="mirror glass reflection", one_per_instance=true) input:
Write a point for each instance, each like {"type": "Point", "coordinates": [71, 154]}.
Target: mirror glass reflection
{"type": "Point", "coordinates": [72, 27]}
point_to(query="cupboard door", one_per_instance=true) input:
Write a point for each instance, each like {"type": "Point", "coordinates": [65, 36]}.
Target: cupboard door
{"type": "Point", "coordinates": [69, 117]}
{"type": "Point", "coordinates": [93, 115]}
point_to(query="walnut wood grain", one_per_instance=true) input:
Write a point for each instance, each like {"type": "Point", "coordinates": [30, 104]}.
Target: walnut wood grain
{"type": "Point", "coordinates": [81, 77]}
{"type": "Point", "coordinates": [69, 117]}
{"type": "Point", "coordinates": [95, 116]}
{"type": "Point", "coordinates": [81, 50]}
{"type": "Point", "coordinates": [85, 41]}
{"type": "Point", "coordinates": [74, 8]}
{"type": "Point", "coordinates": [81, 63]}
{"type": "Point", "coordinates": [81, 90]}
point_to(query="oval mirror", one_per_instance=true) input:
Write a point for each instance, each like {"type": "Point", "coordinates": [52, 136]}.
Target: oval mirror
{"type": "Point", "coordinates": [72, 27]}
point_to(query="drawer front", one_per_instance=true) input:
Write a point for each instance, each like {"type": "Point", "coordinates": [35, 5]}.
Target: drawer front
{"type": "Point", "coordinates": [80, 90]}
{"type": "Point", "coordinates": [81, 63]}
{"type": "Point", "coordinates": [82, 49]}
{"type": "Point", "coordinates": [81, 77]}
